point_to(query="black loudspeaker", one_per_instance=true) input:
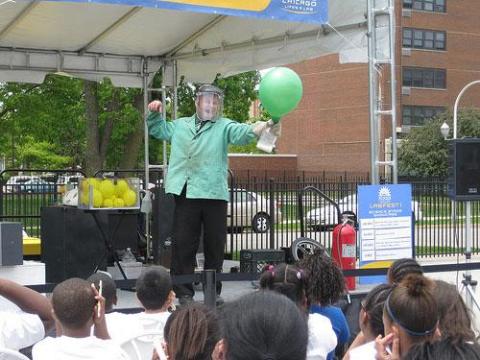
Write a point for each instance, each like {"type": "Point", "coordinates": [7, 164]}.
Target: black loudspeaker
{"type": "Point", "coordinates": [72, 245]}
{"type": "Point", "coordinates": [163, 211]}
{"type": "Point", "coordinates": [464, 169]}
{"type": "Point", "coordinates": [11, 250]}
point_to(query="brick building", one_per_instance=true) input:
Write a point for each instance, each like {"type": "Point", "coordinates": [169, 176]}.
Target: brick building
{"type": "Point", "coordinates": [438, 52]}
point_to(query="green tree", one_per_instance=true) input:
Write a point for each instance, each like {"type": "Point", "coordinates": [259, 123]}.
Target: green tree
{"type": "Point", "coordinates": [186, 98]}
{"type": "Point", "coordinates": [94, 125]}
{"type": "Point", "coordinates": [114, 126]}
{"type": "Point", "coordinates": [240, 92]}
{"type": "Point", "coordinates": [424, 152]}
{"type": "Point", "coordinates": [41, 155]}
{"type": "Point", "coordinates": [51, 112]}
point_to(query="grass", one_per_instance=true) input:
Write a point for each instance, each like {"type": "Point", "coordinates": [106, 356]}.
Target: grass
{"type": "Point", "coordinates": [26, 208]}
{"type": "Point", "coordinates": [441, 250]}
{"type": "Point", "coordinates": [235, 256]}
{"type": "Point", "coordinates": [26, 204]}
{"type": "Point", "coordinates": [441, 206]}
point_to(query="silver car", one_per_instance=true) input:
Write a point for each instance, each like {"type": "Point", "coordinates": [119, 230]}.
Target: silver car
{"type": "Point", "coordinates": [250, 209]}
{"type": "Point", "coordinates": [325, 217]}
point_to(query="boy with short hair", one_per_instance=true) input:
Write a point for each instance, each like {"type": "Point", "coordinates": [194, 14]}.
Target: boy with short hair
{"type": "Point", "coordinates": [119, 325]}
{"type": "Point", "coordinates": [155, 293]}
{"type": "Point", "coordinates": [76, 307]}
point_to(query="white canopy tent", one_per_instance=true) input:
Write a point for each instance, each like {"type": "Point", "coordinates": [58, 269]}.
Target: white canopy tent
{"type": "Point", "coordinates": [95, 39]}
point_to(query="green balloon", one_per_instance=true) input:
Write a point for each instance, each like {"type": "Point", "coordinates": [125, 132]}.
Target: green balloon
{"type": "Point", "coordinates": [280, 91]}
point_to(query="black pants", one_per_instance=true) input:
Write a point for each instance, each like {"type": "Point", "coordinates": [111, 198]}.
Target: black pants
{"type": "Point", "coordinates": [190, 214]}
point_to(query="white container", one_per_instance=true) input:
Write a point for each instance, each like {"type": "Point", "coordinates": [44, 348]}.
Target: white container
{"type": "Point", "coordinates": [109, 194]}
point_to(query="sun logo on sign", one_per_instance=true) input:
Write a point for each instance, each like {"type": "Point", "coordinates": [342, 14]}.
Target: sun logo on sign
{"type": "Point", "coordinates": [384, 194]}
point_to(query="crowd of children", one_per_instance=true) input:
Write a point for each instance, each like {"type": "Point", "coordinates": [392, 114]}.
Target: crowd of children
{"type": "Point", "coordinates": [292, 316]}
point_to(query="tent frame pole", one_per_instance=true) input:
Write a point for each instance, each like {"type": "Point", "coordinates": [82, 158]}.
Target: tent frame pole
{"type": "Point", "coordinates": [378, 13]}
{"type": "Point", "coordinates": [147, 195]}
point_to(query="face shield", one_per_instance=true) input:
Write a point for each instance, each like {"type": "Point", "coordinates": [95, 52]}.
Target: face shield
{"type": "Point", "coordinates": [209, 103]}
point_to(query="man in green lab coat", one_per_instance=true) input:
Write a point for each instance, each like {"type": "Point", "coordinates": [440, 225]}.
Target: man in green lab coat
{"type": "Point", "coordinates": [197, 177]}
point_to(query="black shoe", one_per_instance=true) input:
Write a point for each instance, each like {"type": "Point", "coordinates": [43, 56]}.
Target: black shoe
{"type": "Point", "coordinates": [219, 301]}
{"type": "Point", "coordinates": [185, 300]}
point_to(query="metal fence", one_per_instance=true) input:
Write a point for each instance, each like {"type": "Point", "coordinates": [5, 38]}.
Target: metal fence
{"type": "Point", "coordinates": [24, 192]}
{"type": "Point", "coordinates": [439, 228]}
{"type": "Point", "coordinates": [263, 211]}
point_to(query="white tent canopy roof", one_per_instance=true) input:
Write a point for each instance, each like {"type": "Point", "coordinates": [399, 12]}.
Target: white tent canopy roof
{"type": "Point", "coordinates": [92, 40]}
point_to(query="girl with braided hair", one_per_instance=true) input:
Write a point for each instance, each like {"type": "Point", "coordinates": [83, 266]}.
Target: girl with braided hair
{"type": "Point", "coordinates": [401, 268]}
{"type": "Point", "coordinates": [291, 281]}
{"type": "Point", "coordinates": [324, 287]}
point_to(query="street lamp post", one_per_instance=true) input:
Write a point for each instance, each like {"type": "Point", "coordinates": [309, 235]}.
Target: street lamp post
{"type": "Point", "coordinates": [445, 130]}
{"type": "Point", "coordinates": [455, 107]}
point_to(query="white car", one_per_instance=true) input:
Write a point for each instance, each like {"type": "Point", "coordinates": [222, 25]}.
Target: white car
{"type": "Point", "coordinates": [326, 216]}
{"type": "Point", "coordinates": [15, 182]}
{"type": "Point", "coordinates": [250, 210]}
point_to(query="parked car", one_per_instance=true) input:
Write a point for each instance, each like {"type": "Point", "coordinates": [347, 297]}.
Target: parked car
{"type": "Point", "coordinates": [325, 217]}
{"type": "Point", "coordinates": [13, 184]}
{"type": "Point", "coordinates": [37, 185]}
{"type": "Point", "coordinates": [250, 210]}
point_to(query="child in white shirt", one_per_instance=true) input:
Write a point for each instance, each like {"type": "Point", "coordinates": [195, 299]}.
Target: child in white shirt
{"type": "Point", "coordinates": [156, 295]}
{"type": "Point", "coordinates": [25, 327]}
{"type": "Point", "coordinates": [76, 307]}
{"type": "Point", "coordinates": [119, 325]}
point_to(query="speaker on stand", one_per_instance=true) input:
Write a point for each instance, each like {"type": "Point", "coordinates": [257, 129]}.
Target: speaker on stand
{"type": "Point", "coordinates": [464, 169]}
{"type": "Point", "coordinates": [464, 185]}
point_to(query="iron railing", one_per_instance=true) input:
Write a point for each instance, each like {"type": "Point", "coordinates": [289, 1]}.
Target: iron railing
{"type": "Point", "coordinates": [264, 210]}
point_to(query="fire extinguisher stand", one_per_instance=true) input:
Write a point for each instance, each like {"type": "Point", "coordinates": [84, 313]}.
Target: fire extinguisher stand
{"type": "Point", "coordinates": [343, 242]}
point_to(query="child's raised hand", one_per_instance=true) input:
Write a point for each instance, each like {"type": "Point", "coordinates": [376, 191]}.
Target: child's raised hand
{"type": "Point", "coordinates": [99, 310]}
{"type": "Point", "coordinates": [388, 347]}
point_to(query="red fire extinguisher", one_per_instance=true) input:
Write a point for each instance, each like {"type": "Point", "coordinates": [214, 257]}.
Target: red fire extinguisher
{"type": "Point", "coordinates": [344, 250]}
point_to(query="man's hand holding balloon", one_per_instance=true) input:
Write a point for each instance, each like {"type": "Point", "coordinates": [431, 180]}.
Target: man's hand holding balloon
{"type": "Point", "coordinates": [280, 92]}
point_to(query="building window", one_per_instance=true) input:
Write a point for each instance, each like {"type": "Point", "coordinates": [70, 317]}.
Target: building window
{"type": "Point", "coordinates": [425, 5]}
{"type": "Point", "coordinates": [418, 115]}
{"type": "Point", "coordinates": [424, 78]}
{"type": "Point", "coordinates": [424, 39]}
